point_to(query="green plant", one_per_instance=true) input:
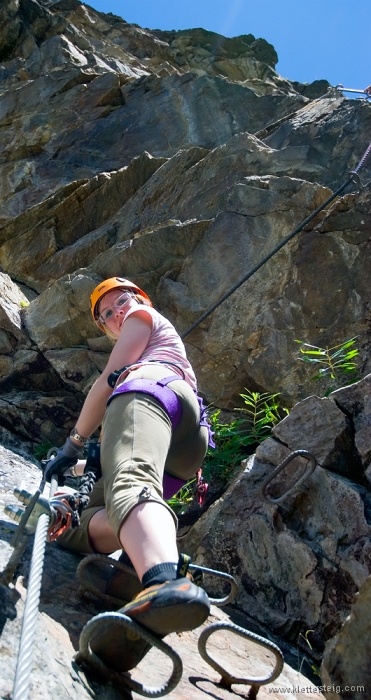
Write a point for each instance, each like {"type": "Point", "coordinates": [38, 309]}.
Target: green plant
{"type": "Point", "coordinates": [315, 670]}
{"type": "Point", "coordinates": [262, 413]}
{"type": "Point", "coordinates": [221, 461]}
{"type": "Point", "coordinates": [24, 304]}
{"type": "Point", "coordinates": [183, 498]}
{"type": "Point", "coordinates": [42, 450]}
{"type": "Point", "coordinates": [232, 440]}
{"type": "Point", "coordinates": [337, 363]}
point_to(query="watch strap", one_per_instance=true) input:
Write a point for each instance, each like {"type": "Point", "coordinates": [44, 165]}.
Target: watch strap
{"type": "Point", "coordinates": [76, 436]}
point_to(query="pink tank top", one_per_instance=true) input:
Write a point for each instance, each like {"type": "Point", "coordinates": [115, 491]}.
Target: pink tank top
{"type": "Point", "coordinates": [166, 345]}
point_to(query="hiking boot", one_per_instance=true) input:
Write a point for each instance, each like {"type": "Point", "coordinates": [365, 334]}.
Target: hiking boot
{"type": "Point", "coordinates": [174, 606]}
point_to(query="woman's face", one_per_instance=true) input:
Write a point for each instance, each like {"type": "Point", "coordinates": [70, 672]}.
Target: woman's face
{"type": "Point", "coordinates": [113, 308]}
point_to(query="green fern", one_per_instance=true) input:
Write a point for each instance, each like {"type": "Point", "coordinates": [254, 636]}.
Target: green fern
{"type": "Point", "coordinates": [262, 413]}
{"type": "Point", "coordinates": [337, 362]}
{"type": "Point", "coordinates": [180, 502]}
{"type": "Point", "coordinates": [41, 451]}
{"type": "Point", "coordinates": [232, 440]}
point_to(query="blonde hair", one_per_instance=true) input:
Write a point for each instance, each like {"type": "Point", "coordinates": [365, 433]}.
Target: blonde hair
{"type": "Point", "coordinates": [141, 299]}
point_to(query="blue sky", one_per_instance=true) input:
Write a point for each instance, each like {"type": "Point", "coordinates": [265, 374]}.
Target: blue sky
{"type": "Point", "coordinates": [313, 38]}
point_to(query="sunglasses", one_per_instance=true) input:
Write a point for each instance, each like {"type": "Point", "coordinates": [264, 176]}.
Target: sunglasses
{"type": "Point", "coordinates": [121, 301]}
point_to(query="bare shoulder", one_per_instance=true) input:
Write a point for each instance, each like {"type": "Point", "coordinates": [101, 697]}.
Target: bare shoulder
{"type": "Point", "coordinates": [141, 314]}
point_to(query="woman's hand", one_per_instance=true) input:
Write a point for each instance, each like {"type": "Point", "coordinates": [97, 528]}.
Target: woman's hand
{"type": "Point", "coordinates": [65, 458]}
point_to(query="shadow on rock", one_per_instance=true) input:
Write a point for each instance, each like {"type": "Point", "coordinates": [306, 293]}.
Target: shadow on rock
{"type": "Point", "coordinates": [8, 600]}
{"type": "Point", "coordinates": [60, 598]}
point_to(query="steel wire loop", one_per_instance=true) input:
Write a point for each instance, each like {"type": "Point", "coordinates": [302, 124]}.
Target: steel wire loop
{"type": "Point", "coordinates": [218, 602]}
{"type": "Point", "coordinates": [309, 469]}
{"type": "Point", "coordinates": [87, 585]}
{"type": "Point", "coordinates": [100, 623]}
{"type": "Point", "coordinates": [228, 678]}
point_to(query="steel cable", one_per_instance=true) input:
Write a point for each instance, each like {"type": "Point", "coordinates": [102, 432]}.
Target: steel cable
{"type": "Point", "coordinates": [280, 245]}
{"type": "Point", "coordinates": [25, 653]}
{"type": "Point", "coordinates": [266, 258]}
{"type": "Point", "coordinates": [363, 159]}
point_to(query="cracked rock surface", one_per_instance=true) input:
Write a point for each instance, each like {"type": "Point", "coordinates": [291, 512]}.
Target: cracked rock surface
{"type": "Point", "coordinates": [63, 613]}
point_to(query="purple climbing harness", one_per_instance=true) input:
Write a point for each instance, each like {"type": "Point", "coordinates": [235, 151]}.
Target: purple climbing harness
{"type": "Point", "coordinates": [204, 420]}
{"type": "Point", "coordinates": [159, 390]}
{"type": "Point", "coordinates": [173, 407]}
{"type": "Point", "coordinates": [166, 397]}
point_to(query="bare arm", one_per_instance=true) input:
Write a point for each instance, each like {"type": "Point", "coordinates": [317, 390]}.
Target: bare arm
{"type": "Point", "coordinates": [134, 337]}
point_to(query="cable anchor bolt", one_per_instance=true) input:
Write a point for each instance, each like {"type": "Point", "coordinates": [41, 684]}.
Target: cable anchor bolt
{"type": "Point", "coordinates": [40, 506]}
{"type": "Point", "coordinates": [357, 180]}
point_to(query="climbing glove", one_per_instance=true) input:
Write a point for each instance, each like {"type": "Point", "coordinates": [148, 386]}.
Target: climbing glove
{"type": "Point", "coordinates": [65, 458]}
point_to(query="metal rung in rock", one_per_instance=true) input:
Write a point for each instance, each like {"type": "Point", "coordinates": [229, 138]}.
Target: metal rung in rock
{"type": "Point", "coordinates": [307, 473]}
{"type": "Point", "coordinates": [218, 602]}
{"type": "Point", "coordinates": [227, 678]}
{"type": "Point", "coordinates": [123, 680]}
{"type": "Point", "coordinates": [87, 582]}
{"type": "Point", "coordinates": [91, 583]}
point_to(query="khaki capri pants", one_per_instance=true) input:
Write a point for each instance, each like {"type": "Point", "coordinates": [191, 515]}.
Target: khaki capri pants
{"type": "Point", "coordinates": [138, 445]}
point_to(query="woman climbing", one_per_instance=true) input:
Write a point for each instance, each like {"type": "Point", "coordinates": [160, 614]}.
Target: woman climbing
{"type": "Point", "coordinates": [150, 417]}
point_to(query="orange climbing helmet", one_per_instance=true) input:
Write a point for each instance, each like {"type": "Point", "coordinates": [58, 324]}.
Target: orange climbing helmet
{"type": "Point", "coordinates": [107, 286]}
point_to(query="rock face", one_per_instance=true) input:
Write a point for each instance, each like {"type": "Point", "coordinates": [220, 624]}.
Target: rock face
{"type": "Point", "coordinates": [179, 159]}
{"type": "Point", "coordinates": [63, 613]}
{"type": "Point", "coordinates": [346, 662]}
{"type": "Point", "coordinates": [300, 562]}
{"type": "Point", "coordinates": [297, 564]}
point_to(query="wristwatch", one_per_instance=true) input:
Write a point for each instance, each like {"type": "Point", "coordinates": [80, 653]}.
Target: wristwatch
{"type": "Point", "coordinates": [76, 436]}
